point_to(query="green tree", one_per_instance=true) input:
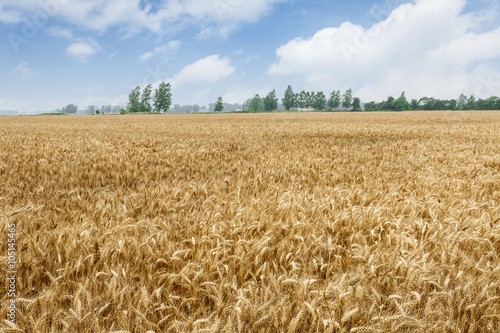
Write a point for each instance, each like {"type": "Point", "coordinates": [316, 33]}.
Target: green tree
{"type": "Point", "coordinates": [347, 99]}
{"type": "Point", "coordinates": [462, 100]}
{"type": "Point", "coordinates": [414, 104]}
{"type": "Point", "coordinates": [219, 106]}
{"type": "Point", "coordinates": [70, 109]}
{"type": "Point", "coordinates": [162, 99]}
{"type": "Point", "coordinates": [471, 103]}
{"type": "Point", "coordinates": [427, 103]}
{"type": "Point", "coordinates": [453, 104]}
{"type": "Point", "coordinates": [146, 98]}
{"type": "Point", "coordinates": [302, 99]}
{"type": "Point", "coordinates": [389, 105]}
{"type": "Point", "coordinates": [270, 101]}
{"type": "Point", "coordinates": [134, 104]}
{"type": "Point", "coordinates": [310, 99]}
{"type": "Point", "coordinates": [319, 102]}
{"type": "Point", "coordinates": [356, 104]}
{"type": "Point", "coordinates": [256, 103]}
{"type": "Point", "coordinates": [401, 104]}
{"type": "Point", "coordinates": [334, 100]}
{"type": "Point", "coordinates": [289, 101]}
{"type": "Point", "coordinates": [371, 106]}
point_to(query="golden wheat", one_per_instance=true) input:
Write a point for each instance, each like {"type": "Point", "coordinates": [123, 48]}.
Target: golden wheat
{"type": "Point", "coordinates": [253, 223]}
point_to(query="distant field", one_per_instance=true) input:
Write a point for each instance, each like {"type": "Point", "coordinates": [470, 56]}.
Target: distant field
{"type": "Point", "coordinates": [290, 222]}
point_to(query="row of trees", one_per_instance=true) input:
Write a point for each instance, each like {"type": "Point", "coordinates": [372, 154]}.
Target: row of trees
{"type": "Point", "coordinates": [305, 100]}
{"type": "Point", "coordinates": [68, 109]}
{"type": "Point", "coordinates": [257, 103]}
{"type": "Point", "coordinates": [93, 109]}
{"type": "Point", "coordinates": [431, 103]}
{"type": "Point", "coordinates": [185, 108]}
{"type": "Point", "coordinates": [391, 104]}
{"type": "Point", "coordinates": [319, 101]}
{"type": "Point", "coordinates": [161, 100]}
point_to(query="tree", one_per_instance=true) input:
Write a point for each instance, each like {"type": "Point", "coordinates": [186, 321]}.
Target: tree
{"type": "Point", "coordinates": [256, 103]}
{"type": "Point", "coordinates": [90, 109]}
{"type": "Point", "coordinates": [389, 105]}
{"type": "Point", "coordinates": [106, 109]}
{"type": "Point", "coordinates": [371, 106]}
{"type": "Point", "coordinates": [70, 109]}
{"type": "Point", "coordinates": [356, 104]}
{"type": "Point", "coordinates": [219, 106]}
{"type": "Point", "coordinates": [146, 98]}
{"type": "Point", "coordinates": [177, 108]}
{"type": "Point", "coordinates": [471, 103]}
{"type": "Point", "coordinates": [427, 103]}
{"type": "Point", "coordinates": [334, 100]}
{"type": "Point", "coordinates": [247, 106]}
{"type": "Point", "coordinates": [347, 99]}
{"type": "Point", "coordinates": [414, 104]}
{"type": "Point", "coordinates": [319, 102]}
{"type": "Point", "coordinates": [270, 101]}
{"type": "Point", "coordinates": [162, 98]}
{"type": "Point", "coordinates": [302, 99]}
{"type": "Point", "coordinates": [401, 104]}
{"type": "Point", "coordinates": [310, 99]}
{"type": "Point", "coordinates": [462, 100]}
{"type": "Point", "coordinates": [453, 104]}
{"type": "Point", "coordinates": [289, 100]}
{"type": "Point", "coordinates": [134, 104]}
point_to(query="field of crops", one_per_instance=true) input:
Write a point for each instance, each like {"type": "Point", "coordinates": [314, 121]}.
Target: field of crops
{"type": "Point", "coordinates": [290, 222]}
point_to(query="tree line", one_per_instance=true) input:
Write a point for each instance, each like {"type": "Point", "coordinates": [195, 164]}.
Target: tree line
{"type": "Point", "coordinates": [307, 100]}
{"type": "Point", "coordinates": [431, 103]}
{"type": "Point", "coordinates": [257, 103]}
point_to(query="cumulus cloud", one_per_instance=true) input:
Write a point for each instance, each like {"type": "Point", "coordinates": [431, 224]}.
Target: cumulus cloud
{"type": "Point", "coordinates": [428, 47]}
{"type": "Point", "coordinates": [211, 16]}
{"type": "Point", "coordinates": [210, 69]}
{"type": "Point", "coordinates": [82, 50]}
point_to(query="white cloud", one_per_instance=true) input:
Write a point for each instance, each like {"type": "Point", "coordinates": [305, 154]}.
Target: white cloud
{"type": "Point", "coordinates": [9, 16]}
{"type": "Point", "coordinates": [23, 69]}
{"type": "Point", "coordinates": [168, 49]}
{"type": "Point", "coordinates": [112, 55]}
{"type": "Point", "coordinates": [57, 31]}
{"type": "Point", "coordinates": [210, 69]}
{"type": "Point", "coordinates": [134, 15]}
{"type": "Point", "coordinates": [82, 50]}
{"type": "Point", "coordinates": [429, 47]}
{"type": "Point", "coordinates": [146, 56]}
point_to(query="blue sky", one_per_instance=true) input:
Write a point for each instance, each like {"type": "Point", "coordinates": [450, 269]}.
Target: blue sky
{"type": "Point", "coordinates": [56, 52]}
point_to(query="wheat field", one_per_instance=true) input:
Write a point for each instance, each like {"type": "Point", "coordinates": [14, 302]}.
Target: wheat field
{"type": "Point", "coordinates": [289, 222]}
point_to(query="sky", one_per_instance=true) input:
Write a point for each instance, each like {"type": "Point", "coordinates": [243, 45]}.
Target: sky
{"type": "Point", "coordinates": [94, 52]}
